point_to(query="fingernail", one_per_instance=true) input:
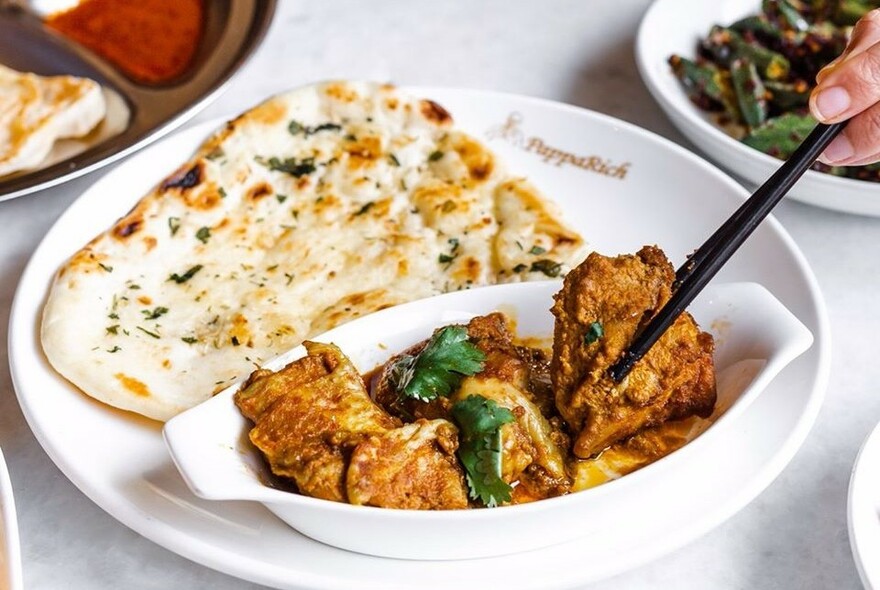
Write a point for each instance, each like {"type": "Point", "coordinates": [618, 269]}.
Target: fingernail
{"type": "Point", "coordinates": [832, 102]}
{"type": "Point", "coordinates": [838, 151]}
{"type": "Point", "coordinates": [826, 71]}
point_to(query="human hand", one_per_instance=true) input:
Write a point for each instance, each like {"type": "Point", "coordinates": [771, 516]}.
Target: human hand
{"type": "Point", "coordinates": [849, 88]}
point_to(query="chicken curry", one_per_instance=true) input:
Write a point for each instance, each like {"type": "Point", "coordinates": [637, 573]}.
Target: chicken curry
{"type": "Point", "coordinates": [474, 417]}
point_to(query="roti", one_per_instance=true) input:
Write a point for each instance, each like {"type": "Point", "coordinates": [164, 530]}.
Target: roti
{"type": "Point", "coordinates": [318, 206]}
{"type": "Point", "coordinates": [35, 111]}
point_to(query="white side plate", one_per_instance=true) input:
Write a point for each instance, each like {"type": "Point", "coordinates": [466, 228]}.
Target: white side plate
{"type": "Point", "coordinates": [863, 511]}
{"type": "Point", "coordinates": [10, 551]}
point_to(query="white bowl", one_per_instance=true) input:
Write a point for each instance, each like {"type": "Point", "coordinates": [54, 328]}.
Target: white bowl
{"type": "Point", "coordinates": [10, 551]}
{"type": "Point", "coordinates": [675, 26]}
{"type": "Point", "coordinates": [756, 336]}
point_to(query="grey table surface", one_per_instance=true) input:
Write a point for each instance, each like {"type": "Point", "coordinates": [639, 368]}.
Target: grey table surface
{"type": "Point", "coordinates": [576, 51]}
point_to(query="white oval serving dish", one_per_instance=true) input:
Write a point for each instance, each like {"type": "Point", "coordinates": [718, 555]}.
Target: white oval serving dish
{"type": "Point", "coordinates": [755, 338]}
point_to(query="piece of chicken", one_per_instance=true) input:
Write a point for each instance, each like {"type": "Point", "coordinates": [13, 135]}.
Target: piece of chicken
{"type": "Point", "coordinates": [618, 296]}
{"type": "Point", "coordinates": [412, 467]}
{"type": "Point", "coordinates": [309, 417]}
{"type": "Point", "coordinates": [515, 378]}
{"type": "Point", "coordinates": [316, 424]}
{"type": "Point", "coordinates": [635, 452]}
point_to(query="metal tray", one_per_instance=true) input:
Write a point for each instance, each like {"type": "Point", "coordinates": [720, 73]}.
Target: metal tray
{"type": "Point", "coordinates": [233, 30]}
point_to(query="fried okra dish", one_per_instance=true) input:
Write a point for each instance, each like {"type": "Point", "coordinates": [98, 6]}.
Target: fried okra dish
{"type": "Point", "coordinates": [756, 74]}
{"type": "Point", "coordinates": [474, 416]}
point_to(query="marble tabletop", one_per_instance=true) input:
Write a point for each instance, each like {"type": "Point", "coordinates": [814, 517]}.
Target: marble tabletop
{"type": "Point", "coordinates": [577, 51]}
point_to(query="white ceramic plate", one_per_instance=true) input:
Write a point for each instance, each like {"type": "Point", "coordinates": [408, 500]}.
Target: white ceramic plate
{"type": "Point", "coordinates": [863, 511]}
{"type": "Point", "coordinates": [667, 196]}
{"type": "Point", "coordinates": [10, 551]}
{"type": "Point", "coordinates": [675, 26]}
{"type": "Point", "coordinates": [755, 338]}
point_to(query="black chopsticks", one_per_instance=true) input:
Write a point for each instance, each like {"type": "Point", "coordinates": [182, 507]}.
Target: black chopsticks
{"type": "Point", "coordinates": [705, 263]}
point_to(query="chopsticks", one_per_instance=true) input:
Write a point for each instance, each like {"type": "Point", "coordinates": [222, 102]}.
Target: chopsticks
{"type": "Point", "coordinates": [705, 263]}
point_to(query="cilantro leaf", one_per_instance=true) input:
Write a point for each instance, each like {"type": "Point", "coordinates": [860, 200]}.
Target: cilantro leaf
{"type": "Point", "coordinates": [295, 127]}
{"type": "Point", "coordinates": [203, 235]}
{"type": "Point", "coordinates": [480, 421]}
{"type": "Point", "coordinates": [594, 333]}
{"type": "Point", "coordinates": [154, 313]}
{"type": "Point", "coordinates": [546, 266]}
{"type": "Point", "coordinates": [292, 166]}
{"type": "Point", "coordinates": [148, 333]}
{"type": "Point", "coordinates": [179, 279]}
{"type": "Point", "coordinates": [438, 369]}
{"type": "Point", "coordinates": [323, 127]}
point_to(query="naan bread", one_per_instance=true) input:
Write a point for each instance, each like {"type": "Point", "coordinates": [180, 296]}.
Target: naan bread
{"type": "Point", "coordinates": [35, 111]}
{"type": "Point", "coordinates": [318, 206]}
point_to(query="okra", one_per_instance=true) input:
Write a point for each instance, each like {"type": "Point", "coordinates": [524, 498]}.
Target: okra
{"type": "Point", "coordinates": [719, 45]}
{"type": "Point", "coordinates": [706, 85]}
{"type": "Point", "coordinates": [850, 11]}
{"type": "Point", "coordinates": [750, 92]}
{"type": "Point", "coordinates": [792, 15]}
{"type": "Point", "coordinates": [786, 96]}
{"type": "Point", "coordinates": [780, 136]}
{"type": "Point", "coordinates": [758, 25]}
{"type": "Point", "coordinates": [771, 65]}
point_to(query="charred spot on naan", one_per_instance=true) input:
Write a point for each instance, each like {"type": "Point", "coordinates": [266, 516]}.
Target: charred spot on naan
{"type": "Point", "coordinates": [476, 158]}
{"type": "Point", "coordinates": [468, 270]}
{"type": "Point", "coordinates": [437, 198]}
{"type": "Point", "coordinates": [86, 260]}
{"type": "Point", "coordinates": [434, 113]}
{"type": "Point", "coordinates": [132, 385]}
{"type": "Point", "coordinates": [327, 203]}
{"type": "Point", "coordinates": [259, 191]}
{"type": "Point", "coordinates": [239, 333]}
{"type": "Point", "coordinates": [127, 227]}
{"type": "Point", "coordinates": [214, 144]}
{"type": "Point", "coordinates": [363, 151]}
{"type": "Point", "coordinates": [546, 220]}
{"type": "Point", "coordinates": [341, 92]}
{"type": "Point", "coordinates": [268, 113]}
{"type": "Point", "coordinates": [132, 222]}
{"type": "Point", "coordinates": [209, 197]}
{"type": "Point", "coordinates": [184, 178]}
{"type": "Point", "coordinates": [189, 184]}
